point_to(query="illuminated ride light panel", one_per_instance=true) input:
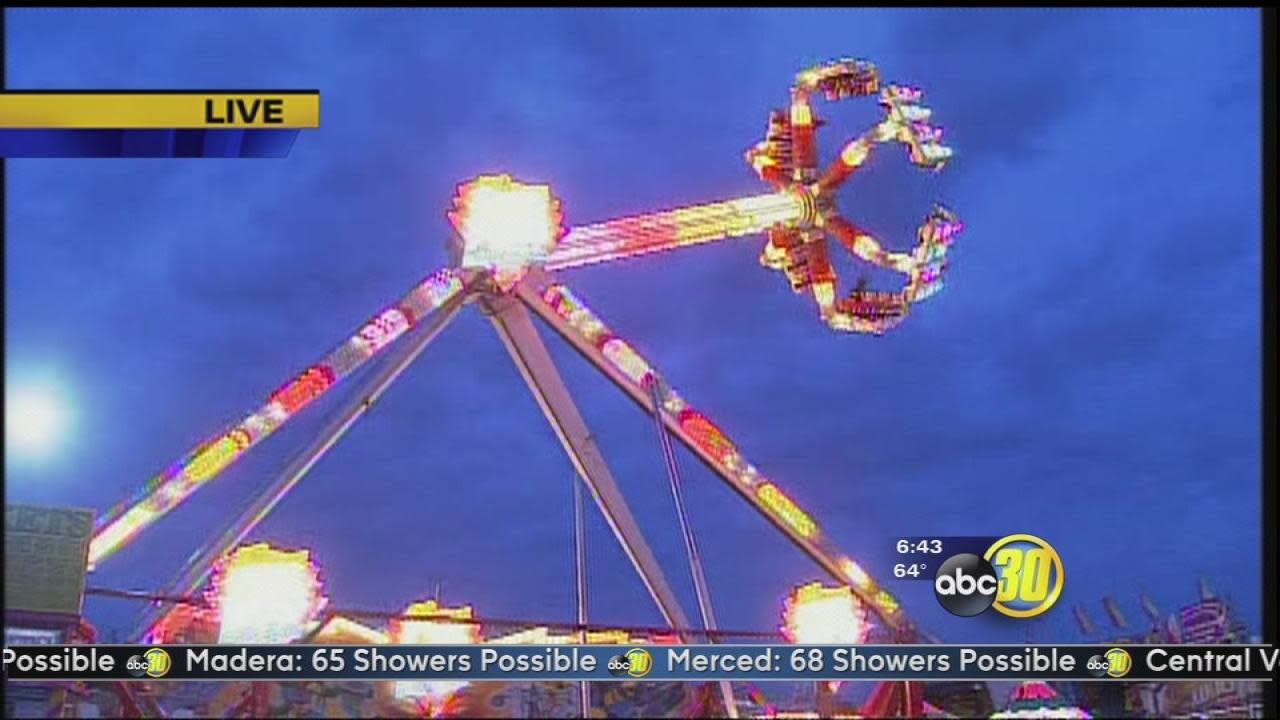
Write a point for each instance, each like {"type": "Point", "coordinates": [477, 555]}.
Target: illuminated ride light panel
{"type": "Point", "coordinates": [910, 119]}
{"type": "Point", "coordinates": [887, 602]}
{"type": "Point", "coordinates": [840, 79]}
{"type": "Point", "coordinates": [682, 227]}
{"type": "Point", "coordinates": [505, 225]}
{"type": "Point", "coordinates": [299, 392]}
{"type": "Point", "coordinates": [786, 510]}
{"type": "Point", "coordinates": [338, 630]}
{"type": "Point", "coordinates": [165, 491]}
{"type": "Point", "coordinates": [707, 435]}
{"type": "Point", "coordinates": [608, 637]}
{"type": "Point", "coordinates": [571, 309]}
{"type": "Point", "coordinates": [531, 636]}
{"type": "Point", "coordinates": [626, 359]}
{"type": "Point", "coordinates": [856, 575]}
{"type": "Point", "coordinates": [817, 615]}
{"type": "Point", "coordinates": [207, 462]}
{"type": "Point", "coordinates": [266, 596]}
{"type": "Point", "coordinates": [183, 623]}
{"type": "Point", "coordinates": [383, 330]}
{"type": "Point", "coordinates": [695, 425]}
{"type": "Point", "coordinates": [431, 693]}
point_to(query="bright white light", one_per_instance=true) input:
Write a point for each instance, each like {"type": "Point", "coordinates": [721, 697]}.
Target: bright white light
{"type": "Point", "coordinates": [266, 596]}
{"type": "Point", "coordinates": [37, 419]}
{"type": "Point", "coordinates": [426, 632]}
{"type": "Point", "coordinates": [817, 615]}
{"type": "Point", "coordinates": [505, 224]}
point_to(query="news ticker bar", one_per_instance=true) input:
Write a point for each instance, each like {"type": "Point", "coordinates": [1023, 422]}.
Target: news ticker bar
{"type": "Point", "coordinates": [132, 123]}
{"type": "Point", "coordinates": [640, 662]}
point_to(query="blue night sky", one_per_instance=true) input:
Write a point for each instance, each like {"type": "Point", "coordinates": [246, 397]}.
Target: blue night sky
{"type": "Point", "coordinates": [1090, 375]}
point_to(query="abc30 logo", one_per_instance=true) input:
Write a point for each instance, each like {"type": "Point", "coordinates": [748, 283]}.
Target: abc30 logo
{"type": "Point", "coordinates": [1019, 575]}
{"type": "Point", "coordinates": [636, 663]}
{"type": "Point", "coordinates": [154, 663]}
{"type": "Point", "coordinates": [1115, 663]}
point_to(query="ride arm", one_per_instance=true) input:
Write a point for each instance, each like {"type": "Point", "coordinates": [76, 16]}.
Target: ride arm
{"type": "Point", "coordinates": [444, 289]}
{"type": "Point", "coordinates": [620, 362]}
{"type": "Point", "coordinates": [681, 227]}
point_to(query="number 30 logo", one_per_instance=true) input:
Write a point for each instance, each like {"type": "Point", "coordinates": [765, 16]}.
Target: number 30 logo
{"type": "Point", "coordinates": [1030, 573]}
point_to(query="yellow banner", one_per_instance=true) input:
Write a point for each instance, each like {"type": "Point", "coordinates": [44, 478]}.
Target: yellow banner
{"type": "Point", "coordinates": [187, 109]}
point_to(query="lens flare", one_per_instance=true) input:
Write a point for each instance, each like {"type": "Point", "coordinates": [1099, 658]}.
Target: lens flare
{"type": "Point", "coordinates": [37, 419]}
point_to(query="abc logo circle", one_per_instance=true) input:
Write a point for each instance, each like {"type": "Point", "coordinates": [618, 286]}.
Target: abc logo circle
{"type": "Point", "coordinates": [965, 585]}
{"type": "Point", "coordinates": [1097, 666]}
{"type": "Point", "coordinates": [136, 666]}
{"type": "Point", "coordinates": [153, 663]}
{"type": "Point", "coordinates": [618, 666]}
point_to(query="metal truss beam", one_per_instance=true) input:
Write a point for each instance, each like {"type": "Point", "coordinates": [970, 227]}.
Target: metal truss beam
{"type": "Point", "coordinates": [515, 327]}
{"type": "Point", "coordinates": [815, 545]}
{"type": "Point", "coordinates": [197, 569]}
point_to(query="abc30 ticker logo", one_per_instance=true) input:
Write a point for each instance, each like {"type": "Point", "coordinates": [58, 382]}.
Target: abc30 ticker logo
{"type": "Point", "coordinates": [1019, 575]}
{"type": "Point", "coordinates": [636, 663]}
{"type": "Point", "coordinates": [1115, 663]}
{"type": "Point", "coordinates": [154, 663]}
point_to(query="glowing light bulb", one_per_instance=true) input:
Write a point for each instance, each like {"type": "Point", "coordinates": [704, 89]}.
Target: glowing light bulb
{"type": "Point", "coordinates": [426, 632]}
{"type": "Point", "coordinates": [266, 596]}
{"type": "Point", "coordinates": [816, 615]}
{"type": "Point", "coordinates": [505, 225]}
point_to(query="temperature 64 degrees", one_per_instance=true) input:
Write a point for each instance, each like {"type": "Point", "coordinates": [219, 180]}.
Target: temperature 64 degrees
{"type": "Point", "coordinates": [910, 570]}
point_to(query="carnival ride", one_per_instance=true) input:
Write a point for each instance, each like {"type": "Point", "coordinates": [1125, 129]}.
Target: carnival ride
{"type": "Point", "coordinates": [509, 241]}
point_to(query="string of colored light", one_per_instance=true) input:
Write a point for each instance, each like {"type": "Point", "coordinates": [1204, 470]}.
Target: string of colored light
{"type": "Point", "coordinates": [877, 311]}
{"type": "Point", "coordinates": [799, 215]}
{"type": "Point", "coordinates": [168, 489]}
{"type": "Point", "coordinates": [836, 80]}
{"type": "Point", "coordinates": [801, 254]}
{"type": "Point", "coordinates": [681, 227]}
{"type": "Point", "coordinates": [711, 440]}
{"type": "Point", "coordinates": [911, 121]}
